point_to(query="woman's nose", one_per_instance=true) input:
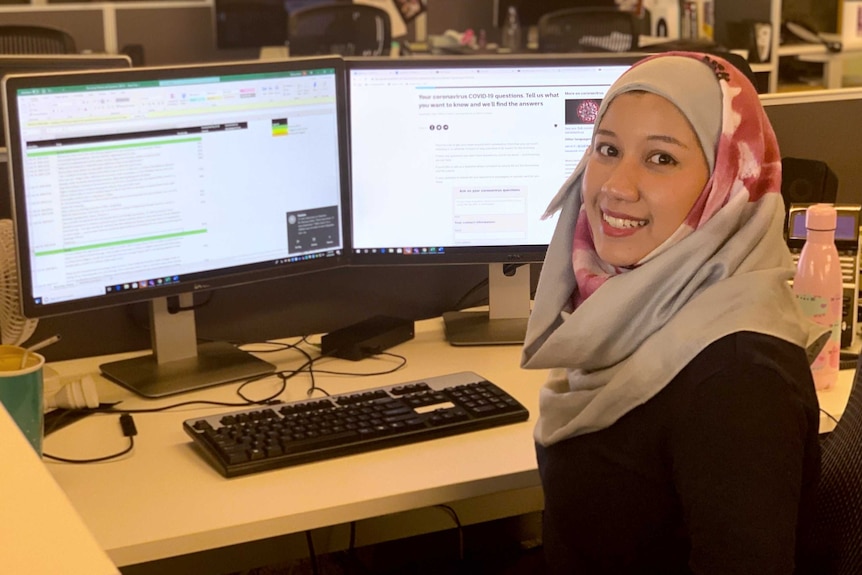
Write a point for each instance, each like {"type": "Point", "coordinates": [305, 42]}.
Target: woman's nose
{"type": "Point", "coordinates": [622, 182]}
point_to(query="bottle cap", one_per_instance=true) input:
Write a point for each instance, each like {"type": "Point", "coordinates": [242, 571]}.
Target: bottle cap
{"type": "Point", "coordinates": [821, 217]}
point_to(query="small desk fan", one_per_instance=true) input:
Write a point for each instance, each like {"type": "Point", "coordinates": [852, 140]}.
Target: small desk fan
{"type": "Point", "coordinates": [15, 329]}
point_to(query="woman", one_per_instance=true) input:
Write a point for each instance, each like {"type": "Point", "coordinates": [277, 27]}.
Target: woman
{"type": "Point", "coordinates": [678, 426]}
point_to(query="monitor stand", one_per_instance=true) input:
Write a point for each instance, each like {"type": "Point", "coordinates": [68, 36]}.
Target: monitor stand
{"type": "Point", "coordinates": [178, 364]}
{"type": "Point", "coordinates": [505, 322]}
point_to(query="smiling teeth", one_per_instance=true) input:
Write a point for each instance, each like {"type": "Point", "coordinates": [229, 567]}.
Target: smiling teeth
{"type": "Point", "coordinates": [623, 224]}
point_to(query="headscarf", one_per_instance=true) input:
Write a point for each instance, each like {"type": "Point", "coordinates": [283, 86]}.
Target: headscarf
{"type": "Point", "coordinates": [613, 338]}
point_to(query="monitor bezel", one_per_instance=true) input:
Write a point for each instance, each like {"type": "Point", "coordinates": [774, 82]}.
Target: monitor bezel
{"type": "Point", "coordinates": [19, 64]}
{"type": "Point", "coordinates": [206, 281]}
{"type": "Point", "coordinates": [508, 254]}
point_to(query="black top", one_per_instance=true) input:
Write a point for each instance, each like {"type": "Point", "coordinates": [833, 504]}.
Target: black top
{"type": "Point", "coordinates": [712, 475]}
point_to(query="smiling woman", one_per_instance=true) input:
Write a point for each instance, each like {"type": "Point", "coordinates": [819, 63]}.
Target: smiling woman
{"type": "Point", "coordinates": [678, 426]}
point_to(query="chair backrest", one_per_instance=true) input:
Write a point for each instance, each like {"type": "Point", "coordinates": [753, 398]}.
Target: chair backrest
{"type": "Point", "coordinates": [344, 29]}
{"type": "Point", "coordinates": [250, 23]}
{"type": "Point", "coordinates": [834, 538]}
{"type": "Point", "coordinates": [588, 30]}
{"type": "Point", "coordinates": [23, 39]}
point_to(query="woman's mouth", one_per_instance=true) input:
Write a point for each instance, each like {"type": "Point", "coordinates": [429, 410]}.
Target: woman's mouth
{"type": "Point", "coordinates": [622, 223]}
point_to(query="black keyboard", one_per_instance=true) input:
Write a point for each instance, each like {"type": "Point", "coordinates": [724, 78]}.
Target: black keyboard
{"type": "Point", "coordinates": [271, 437]}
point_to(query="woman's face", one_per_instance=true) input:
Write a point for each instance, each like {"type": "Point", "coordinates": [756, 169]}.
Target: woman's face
{"type": "Point", "coordinates": [644, 174]}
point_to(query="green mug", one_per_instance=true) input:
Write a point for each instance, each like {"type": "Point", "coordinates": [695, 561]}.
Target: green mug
{"type": "Point", "coordinates": [21, 391]}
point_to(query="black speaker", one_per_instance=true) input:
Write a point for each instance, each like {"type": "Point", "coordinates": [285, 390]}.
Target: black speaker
{"type": "Point", "coordinates": [807, 182]}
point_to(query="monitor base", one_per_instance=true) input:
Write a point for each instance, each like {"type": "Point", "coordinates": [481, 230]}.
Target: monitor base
{"type": "Point", "coordinates": [477, 328]}
{"type": "Point", "coordinates": [216, 363]}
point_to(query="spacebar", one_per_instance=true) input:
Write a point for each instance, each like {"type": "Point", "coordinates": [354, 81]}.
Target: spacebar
{"type": "Point", "coordinates": [308, 444]}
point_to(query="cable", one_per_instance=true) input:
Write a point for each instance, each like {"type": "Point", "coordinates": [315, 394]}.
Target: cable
{"type": "Point", "coordinates": [312, 556]}
{"type": "Point", "coordinates": [174, 306]}
{"type": "Point", "coordinates": [510, 269]}
{"type": "Point", "coordinates": [129, 430]}
{"type": "Point", "coordinates": [461, 301]}
{"type": "Point", "coordinates": [59, 418]}
{"type": "Point", "coordinates": [309, 364]}
{"type": "Point", "coordinates": [401, 358]}
{"type": "Point", "coordinates": [454, 515]}
{"type": "Point", "coordinates": [349, 559]}
{"type": "Point", "coordinates": [829, 415]}
{"type": "Point", "coordinates": [180, 404]}
{"type": "Point", "coordinates": [271, 399]}
{"type": "Point", "coordinates": [284, 375]}
{"type": "Point", "coordinates": [246, 401]}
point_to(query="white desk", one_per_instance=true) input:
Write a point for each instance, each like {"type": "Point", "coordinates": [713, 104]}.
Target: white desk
{"type": "Point", "coordinates": [165, 501]}
{"type": "Point", "coordinates": [42, 534]}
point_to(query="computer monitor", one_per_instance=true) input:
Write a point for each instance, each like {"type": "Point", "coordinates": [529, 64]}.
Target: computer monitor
{"type": "Point", "coordinates": [152, 184]}
{"type": "Point", "coordinates": [454, 160]}
{"type": "Point", "coordinates": [32, 63]}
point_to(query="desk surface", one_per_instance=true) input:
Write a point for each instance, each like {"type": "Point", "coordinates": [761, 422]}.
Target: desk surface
{"type": "Point", "coordinates": [40, 530]}
{"type": "Point", "coordinates": [164, 500]}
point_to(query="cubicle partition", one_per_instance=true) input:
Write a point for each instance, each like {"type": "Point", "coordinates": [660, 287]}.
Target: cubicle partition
{"type": "Point", "coordinates": [822, 125]}
{"type": "Point", "coordinates": [171, 32]}
{"type": "Point", "coordinates": [85, 22]}
{"type": "Point", "coordinates": [819, 125]}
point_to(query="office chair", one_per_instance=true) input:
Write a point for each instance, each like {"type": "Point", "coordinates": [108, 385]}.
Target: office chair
{"type": "Point", "coordinates": [23, 39]}
{"type": "Point", "coordinates": [344, 29]}
{"type": "Point", "coordinates": [834, 542]}
{"type": "Point", "coordinates": [250, 23]}
{"type": "Point", "coordinates": [597, 29]}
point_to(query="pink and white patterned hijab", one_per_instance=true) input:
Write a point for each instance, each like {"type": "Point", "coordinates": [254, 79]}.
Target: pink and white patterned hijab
{"type": "Point", "coordinates": [613, 338]}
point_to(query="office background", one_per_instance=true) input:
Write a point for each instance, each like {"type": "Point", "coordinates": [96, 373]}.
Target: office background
{"type": "Point", "coordinates": [323, 301]}
{"type": "Point", "coordinates": [327, 300]}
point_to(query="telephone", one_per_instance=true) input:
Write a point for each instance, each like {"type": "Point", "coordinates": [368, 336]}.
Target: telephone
{"type": "Point", "coordinates": [798, 32]}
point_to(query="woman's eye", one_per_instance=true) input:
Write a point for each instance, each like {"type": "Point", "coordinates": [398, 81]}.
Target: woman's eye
{"type": "Point", "coordinates": [662, 159]}
{"type": "Point", "coordinates": [606, 150]}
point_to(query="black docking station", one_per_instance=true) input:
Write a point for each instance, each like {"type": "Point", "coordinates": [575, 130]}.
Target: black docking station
{"type": "Point", "coordinates": [366, 338]}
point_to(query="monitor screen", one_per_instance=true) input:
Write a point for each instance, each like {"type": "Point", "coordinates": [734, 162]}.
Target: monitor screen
{"type": "Point", "coordinates": [469, 155]}
{"type": "Point", "coordinates": [140, 184]}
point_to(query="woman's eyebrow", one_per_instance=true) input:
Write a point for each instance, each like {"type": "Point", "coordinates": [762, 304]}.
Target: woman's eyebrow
{"type": "Point", "coordinates": [657, 137]}
{"type": "Point", "coordinates": [667, 139]}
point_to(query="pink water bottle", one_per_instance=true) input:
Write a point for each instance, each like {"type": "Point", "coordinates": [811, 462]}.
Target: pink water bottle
{"type": "Point", "coordinates": [818, 287]}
